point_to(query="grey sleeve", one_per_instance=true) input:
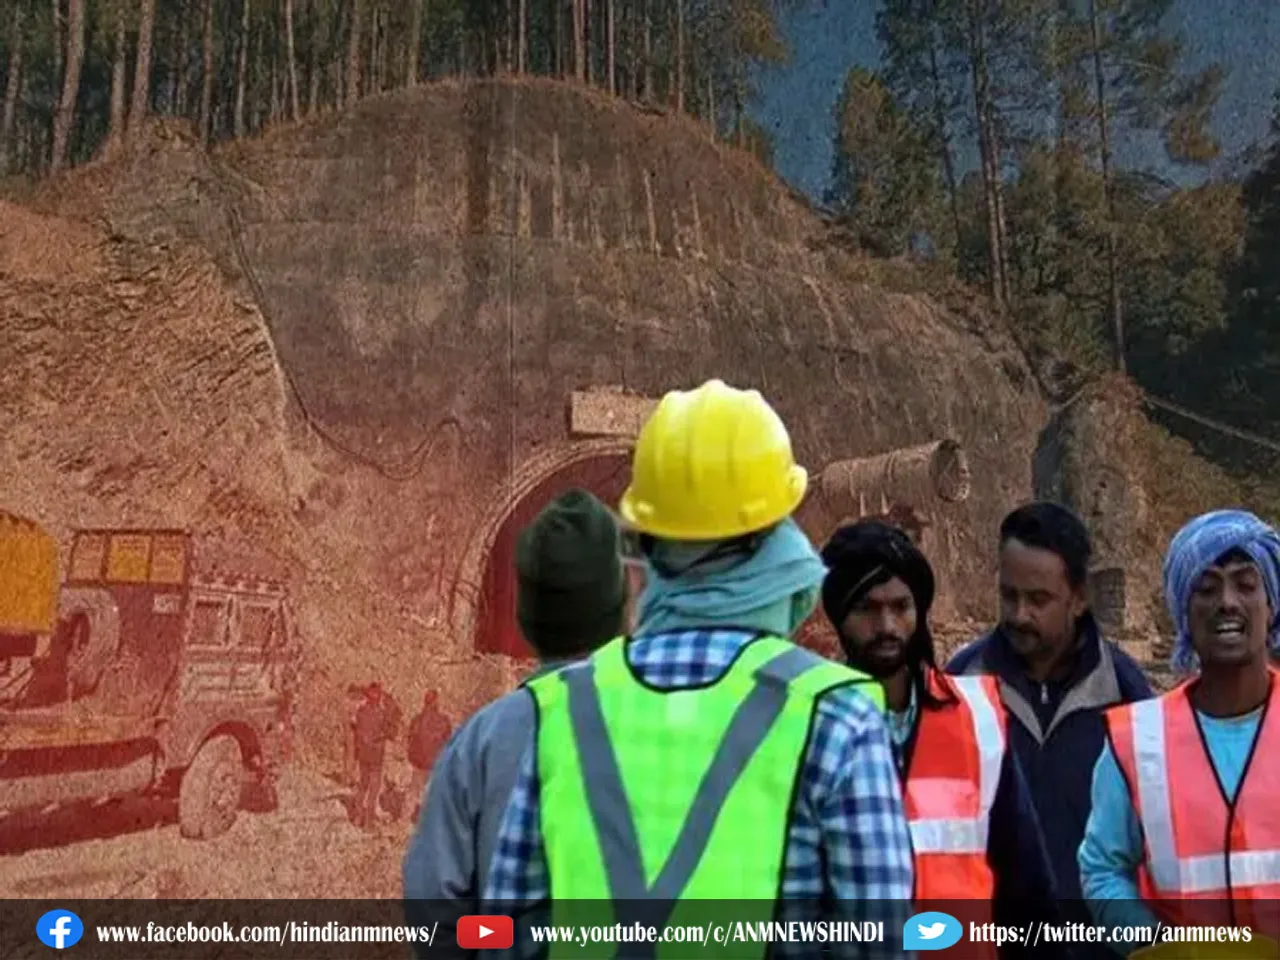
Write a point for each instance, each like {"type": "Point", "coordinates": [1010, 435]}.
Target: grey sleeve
{"type": "Point", "coordinates": [440, 862]}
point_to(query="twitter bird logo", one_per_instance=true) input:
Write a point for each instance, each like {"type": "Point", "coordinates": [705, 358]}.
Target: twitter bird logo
{"type": "Point", "coordinates": [931, 931]}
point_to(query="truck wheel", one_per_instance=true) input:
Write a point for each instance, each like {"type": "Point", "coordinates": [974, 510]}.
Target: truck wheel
{"type": "Point", "coordinates": [209, 796]}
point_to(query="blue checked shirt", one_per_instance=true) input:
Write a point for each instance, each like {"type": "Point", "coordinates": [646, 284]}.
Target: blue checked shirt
{"type": "Point", "coordinates": [848, 842]}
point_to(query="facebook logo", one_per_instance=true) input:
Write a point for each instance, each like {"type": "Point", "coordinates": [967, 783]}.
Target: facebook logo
{"type": "Point", "coordinates": [59, 929]}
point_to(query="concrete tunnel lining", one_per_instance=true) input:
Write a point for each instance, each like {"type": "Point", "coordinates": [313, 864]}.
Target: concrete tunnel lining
{"type": "Point", "coordinates": [466, 607]}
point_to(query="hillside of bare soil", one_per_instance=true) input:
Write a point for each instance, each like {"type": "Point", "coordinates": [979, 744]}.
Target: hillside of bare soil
{"type": "Point", "coordinates": [341, 341]}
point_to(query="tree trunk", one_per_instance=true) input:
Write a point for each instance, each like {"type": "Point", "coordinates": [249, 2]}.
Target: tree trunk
{"type": "Point", "coordinates": [987, 154]}
{"type": "Point", "coordinates": [183, 60]}
{"type": "Point", "coordinates": [314, 47]}
{"type": "Point", "coordinates": [611, 41]}
{"type": "Point", "coordinates": [588, 38]}
{"type": "Point", "coordinates": [383, 47]}
{"type": "Point", "coordinates": [353, 53]}
{"type": "Point", "coordinates": [242, 67]}
{"type": "Point", "coordinates": [738, 68]}
{"type": "Point", "coordinates": [64, 118]}
{"type": "Point", "coordinates": [57, 39]}
{"type": "Point", "coordinates": [680, 56]}
{"type": "Point", "coordinates": [11, 87]}
{"type": "Point", "coordinates": [1104, 142]}
{"type": "Point", "coordinates": [579, 40]}
{"type": "Point", "coordinates": [373, 76]}
{"type": "Point", "coordinates": [36, 140]}
{"type": "Point", "coordinates": [553, 40]}
{"type": "Point", "coordinates": [739, 116]}
{"type": "Point", "coordinates": [276, 80]}
{"type": "Point", "coordinates": [291, 65]}
{"type": "Point", "coordinates": [119, 77]}
{"type": "Point", "coordinates": [522, 37]}
{"type": "Point", "coordinates": [1002, 221]}
{"type": "Point", "coordinates": [632, 31]}
{"type": "Point", "coordinates": [337, 71]}
{"type": "Point", "coordinates": [414, 52]}
{"type": "Point", "coordinates": [206, 76]}
{"type": "Point", "coordinates": [512, 41]}
{"type": "Point", "coordinates": [648, 50]}
{"type": "Point", "coordinates": [712, 107]}
{"type": "Point", "coordinates": [142, 70]}
{"type": "Point", "coordinates": [944, 138]}
{"type": "Point", "coordinates": [259, 93]}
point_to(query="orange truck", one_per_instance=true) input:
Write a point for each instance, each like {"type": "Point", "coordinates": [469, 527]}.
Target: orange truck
{"type": "Point", "coordinates": [134, 674]}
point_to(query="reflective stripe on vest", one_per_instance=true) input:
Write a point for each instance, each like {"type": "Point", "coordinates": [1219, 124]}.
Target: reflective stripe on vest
{"type": "Point", "coordinates": [633, 823]}
{"type": "Point", "coordinates": [608, 797]}
{"type": "Point", "coordinates": [1196, 845]}
{"type": "Point", "coordinates": [959, 833]}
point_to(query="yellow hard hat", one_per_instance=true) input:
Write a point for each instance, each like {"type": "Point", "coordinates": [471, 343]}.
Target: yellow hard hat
{"type": "Point", "coordinates": [1259, 948]}
{"type": "Point", "coordinates": [712, 464]}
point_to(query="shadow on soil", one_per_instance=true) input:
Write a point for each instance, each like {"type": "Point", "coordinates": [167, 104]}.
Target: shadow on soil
{"type": "Point", "coordinates": [76, 823]}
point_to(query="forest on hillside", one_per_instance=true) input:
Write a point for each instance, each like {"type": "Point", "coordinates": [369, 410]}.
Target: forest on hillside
{"type": "Point", "coordinates": [988, 142]}
{"type": "Point", "coordinates": [81, 73]}
{"type": "Point", "coordinates": [985, 145]}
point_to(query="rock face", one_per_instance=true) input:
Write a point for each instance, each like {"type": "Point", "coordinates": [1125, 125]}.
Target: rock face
{"type": "Point", "coordinates": [1135, 486]}
{"type": "Point", "coordinates": [423, 283]}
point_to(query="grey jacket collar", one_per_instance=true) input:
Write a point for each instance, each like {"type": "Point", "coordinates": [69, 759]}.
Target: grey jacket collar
{"type": "Point", "coordinates": [1098, 690]}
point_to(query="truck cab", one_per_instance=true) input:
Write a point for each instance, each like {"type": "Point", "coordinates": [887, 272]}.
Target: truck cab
{"type": "Point", "coordinates": [155, 679]}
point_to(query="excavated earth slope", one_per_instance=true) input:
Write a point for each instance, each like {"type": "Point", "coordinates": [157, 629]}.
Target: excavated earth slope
{"type": "Point", "coordinates": [339, 342]}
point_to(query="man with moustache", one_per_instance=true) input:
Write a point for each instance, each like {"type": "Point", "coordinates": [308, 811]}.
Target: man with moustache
{"type": "Point", "coordinates": [974, 830]}
{"type": "Point", "coordinates": [1056, 675]}
{"type": "Point", "coordinates": [1185, 825]}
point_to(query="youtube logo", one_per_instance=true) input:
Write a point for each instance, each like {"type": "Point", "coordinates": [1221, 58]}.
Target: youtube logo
{"type": "Point", "coordinates": [485, 933]}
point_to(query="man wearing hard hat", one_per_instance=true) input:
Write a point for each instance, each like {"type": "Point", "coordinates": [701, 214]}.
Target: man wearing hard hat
{"type": "Point", "coordinates": [1185, 824]}
{"type": "Point", "coordinates": [707, 757]}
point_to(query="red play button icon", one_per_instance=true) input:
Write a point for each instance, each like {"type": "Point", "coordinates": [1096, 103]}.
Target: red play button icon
{"type": "Point", "coordinates": [485, 933]}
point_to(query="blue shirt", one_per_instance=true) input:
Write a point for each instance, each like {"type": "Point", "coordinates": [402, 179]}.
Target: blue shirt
{"type": "Point", "coordinates": [902, 723]}
{"type": "Point", "coordinates": [848, 838]}
{"type": "Point", "coordinates": [1112, 848]}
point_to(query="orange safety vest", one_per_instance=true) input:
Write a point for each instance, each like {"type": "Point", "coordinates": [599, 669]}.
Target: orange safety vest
{"type": "Point", "coordinates": [1207, 860]}
{"type": "Point", "coordinates": [950, 786]}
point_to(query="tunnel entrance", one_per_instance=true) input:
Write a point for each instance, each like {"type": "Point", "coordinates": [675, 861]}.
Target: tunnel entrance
{"type": "Point", "coordinates": [606, 475]}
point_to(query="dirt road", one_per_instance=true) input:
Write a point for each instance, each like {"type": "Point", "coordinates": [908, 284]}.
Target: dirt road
{"type": "Point", "coordinates": [305, 849]}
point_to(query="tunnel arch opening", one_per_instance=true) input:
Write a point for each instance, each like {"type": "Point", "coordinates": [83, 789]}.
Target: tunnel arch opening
{"type": "Point", "coordinates": [483, 603]}
{"type": "Point", "coordinates": [497, 631]}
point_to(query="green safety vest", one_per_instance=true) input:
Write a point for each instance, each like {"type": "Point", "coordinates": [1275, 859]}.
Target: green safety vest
{"type": "Point", "coordinates": [654, 799]}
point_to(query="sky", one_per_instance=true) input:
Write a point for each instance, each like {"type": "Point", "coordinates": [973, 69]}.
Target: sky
{"type": "Point", "coordinates": [796, 101]}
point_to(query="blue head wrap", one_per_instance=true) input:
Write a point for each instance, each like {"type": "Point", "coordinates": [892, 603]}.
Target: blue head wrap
{"type": "Point", "coordinates": [775, 589]}
{"type": "Point", "coordinates": [1196, 547]}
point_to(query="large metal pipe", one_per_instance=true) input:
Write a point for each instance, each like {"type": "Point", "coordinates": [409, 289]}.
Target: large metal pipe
{"type": "Point", "coordinates": [920, 476]}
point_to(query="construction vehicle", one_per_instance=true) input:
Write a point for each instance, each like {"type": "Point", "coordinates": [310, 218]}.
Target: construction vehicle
{"type": "Point", "coordinates": [137, 675]}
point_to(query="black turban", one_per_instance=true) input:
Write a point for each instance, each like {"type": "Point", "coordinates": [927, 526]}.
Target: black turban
{"type": "Point", "coordinates": [866, 554]}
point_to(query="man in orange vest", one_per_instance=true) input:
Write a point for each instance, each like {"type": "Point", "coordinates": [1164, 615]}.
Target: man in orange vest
{"type": "Point", "coordinates": [1185, 814]}
{"type": "Point", "coordinates": [974, 830]}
